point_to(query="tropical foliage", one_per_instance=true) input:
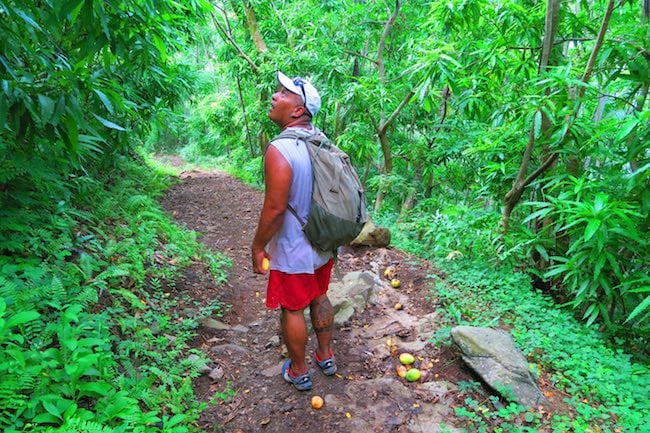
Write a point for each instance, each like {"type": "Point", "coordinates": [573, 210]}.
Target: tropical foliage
{"type": "Point", "coordinates": [85, 252]}
{"type": "Point", "coordinates": [525, 120]}
{"type": "Point", "coordinates": [513, 133]}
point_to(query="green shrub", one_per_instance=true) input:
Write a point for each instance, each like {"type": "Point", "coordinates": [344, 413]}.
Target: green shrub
{"type": "Point", "coordinates": [607, 388]}
{"type": "Point", "coordinates": [85, 308]}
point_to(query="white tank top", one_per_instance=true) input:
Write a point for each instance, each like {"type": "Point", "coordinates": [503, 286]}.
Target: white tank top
{"type": "Point", "coordinates": [289, 249]}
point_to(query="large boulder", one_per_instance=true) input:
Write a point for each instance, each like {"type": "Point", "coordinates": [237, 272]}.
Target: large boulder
{"type": "Point", "coordinates": [493, 355]}
{"type": "Point", "coordinates": [351, 295]}
{"type": "Point", "coordinates": [372, 236]}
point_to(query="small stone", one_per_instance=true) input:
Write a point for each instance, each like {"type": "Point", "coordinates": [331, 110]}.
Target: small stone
{"type": "Point", "coordinates": [273, 342]}
{"type": "Point", "coordinates": [272, 371]}
{"type": "Point", "coordinates": [216, 373]}
{"type": "Point", "coordinates": [240, 328]}
{"type": "Point", "coordinates": [201, 366]}
{"type": "Point", "coordinates": [211, 323]}
{"type": "Point", "coordinates": [228, 349]}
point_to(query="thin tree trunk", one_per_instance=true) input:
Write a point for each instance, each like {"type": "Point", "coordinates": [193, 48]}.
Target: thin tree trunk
{"type": "Point", "coordinates": [243, 109]}
{"type": "Point", "coordinates": [521, 182]}
{"type": "Point", "coordinates": [253, 28]}
{"type": "Point", "coordinates": [643, 96]}
{"type": "Point", "coordinates": [260, 46]}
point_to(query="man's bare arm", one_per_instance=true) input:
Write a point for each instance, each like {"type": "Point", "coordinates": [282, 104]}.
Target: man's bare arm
{"type": "Point", "coordinates": [278, 174]}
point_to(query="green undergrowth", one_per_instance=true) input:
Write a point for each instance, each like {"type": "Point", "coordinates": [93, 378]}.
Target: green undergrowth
{"type": "Point", "coordinates": [90, 337]}
{"type": "Point", "coordinates": [606, 387]}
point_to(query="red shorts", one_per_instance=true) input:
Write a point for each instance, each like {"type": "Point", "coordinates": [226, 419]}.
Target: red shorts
{"type": "Point", "coordinates": [296, 291]}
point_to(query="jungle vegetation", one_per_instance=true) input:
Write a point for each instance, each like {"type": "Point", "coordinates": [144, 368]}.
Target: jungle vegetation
{"type": "Point", "coordinates": [511, 135]}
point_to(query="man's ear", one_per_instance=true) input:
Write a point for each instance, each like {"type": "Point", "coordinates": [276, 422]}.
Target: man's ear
{"type": "Point", "coordinates": [299, 111]}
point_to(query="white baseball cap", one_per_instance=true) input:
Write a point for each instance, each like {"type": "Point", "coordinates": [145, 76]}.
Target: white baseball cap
{"type": "Point", "coordinates": [304, 89]}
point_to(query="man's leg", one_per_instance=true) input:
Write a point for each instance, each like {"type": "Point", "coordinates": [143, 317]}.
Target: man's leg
{"type": "Point", "coordinates": [294, 332]}
{"type": "Point", "coordinates": [322, 320]}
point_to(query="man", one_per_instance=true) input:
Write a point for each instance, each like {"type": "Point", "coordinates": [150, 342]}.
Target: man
{"type": "Point", "coordinates": [299, 274]}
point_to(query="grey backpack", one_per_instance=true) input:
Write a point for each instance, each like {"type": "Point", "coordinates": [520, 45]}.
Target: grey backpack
{"type": "Point", "coordinates": [338, 205]}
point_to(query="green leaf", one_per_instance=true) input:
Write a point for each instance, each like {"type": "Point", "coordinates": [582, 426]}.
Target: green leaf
{"type": "Point", "coordinates": [29, 20]}
{"type": "Point", "coordinates": [639, 309]}
{"type": "Point", "coordinates": [72, 133]}
{"type": "Point", "coordinates": [4, 107]}
{"type": "Point", "coordinates": [47, 108]}
{"type": "Point", "coordinates": [52, 408]}
{"type": "Point", "coordinates": [626, 128]}
{"type": "Point", "coordinates": [542, 251]}
{"type": "Point", "coordinates": [108, 123]}
{"type": "Point", "coordinates": [46, 417]}
{"type": "Point", "coordinates": [22, 317]}
{"type": "Point", "coordinates": [592, 228]}
{"type": "Point", "coordinates": [107, 102]}
{"type": "Point", "coordinates": [176, 419]}
{"type": "Point", "coordinates": [95, 389]}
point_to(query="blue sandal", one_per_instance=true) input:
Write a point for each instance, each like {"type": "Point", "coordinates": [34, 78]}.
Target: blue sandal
{"type": "Point", "coordinates": [302, 382]}
{"type": "Point", "coordinates": [328, 365]}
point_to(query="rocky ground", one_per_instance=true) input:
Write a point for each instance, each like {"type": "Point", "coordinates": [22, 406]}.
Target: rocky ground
{"type": "Point", "coordinates": [246, 351]}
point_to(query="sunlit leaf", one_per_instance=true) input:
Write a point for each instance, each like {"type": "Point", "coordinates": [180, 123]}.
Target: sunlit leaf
{"type": "Point", "coordinates": [108, 123]}
{"type": "Point", "coordinates": [642, 307]}
{"type": "Point", "coordinates": [592, 227]}
{"type": "Point", "coordinates": [107, 102]}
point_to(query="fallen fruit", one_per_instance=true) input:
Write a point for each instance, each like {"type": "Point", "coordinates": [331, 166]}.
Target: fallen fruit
{"type": "Point", "coordinates": [401, 370]}
{"type": "Point", "coordinates": [395, 282]}
{"type": "Point", "coordinates": [412, 375]}
{"type": "Point", "coordinates": [266, 264]}
{"type": "Point", "coordinates": [398, 306]}
{"type": "Point", "coordinates": [389, 272]}
{"type": "Point", "coordinates": [316, 402]}
{"type": "Point", "coordinates": [406, 358]}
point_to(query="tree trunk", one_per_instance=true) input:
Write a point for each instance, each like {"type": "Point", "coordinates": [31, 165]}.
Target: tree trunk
{"type": "Point", "coordinates": [253, 28]}
{"type": "Point", "coordinates": [409, 201]}
{"type": "Point", "coordinates": [513, 196]}
{"type": "Point", "coordinates": [521, 182]}
{"type": "Point", "coordinates": [641, 99]}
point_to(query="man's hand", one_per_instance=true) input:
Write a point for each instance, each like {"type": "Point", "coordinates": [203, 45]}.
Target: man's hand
{"type": "Point", "coordinates": [259, 257]}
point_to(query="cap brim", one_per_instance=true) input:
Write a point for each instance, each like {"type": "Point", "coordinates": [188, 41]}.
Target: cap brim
{"type": "Point", "coordinates": [287, 83]}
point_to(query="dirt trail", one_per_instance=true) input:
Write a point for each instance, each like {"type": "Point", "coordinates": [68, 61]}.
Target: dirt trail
{"type": "Point", "coordinates": [245, 348]}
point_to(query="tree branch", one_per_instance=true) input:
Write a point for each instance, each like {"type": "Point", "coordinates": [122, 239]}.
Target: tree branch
{"type": "Point", "coordinates": [599, 42]}
{"type": "Point", "coordinates": [382, 41]}
{"type": "Point", "coordinates": [374, 123]}
{"type": "Point", "coordinates": [385, 124]}
{"type": "Point", "coordinates": [360, 55]}
{"type": "Point", "coordinates": [541, 169]}
{"type": "Point", "coordinates": [235, 45]}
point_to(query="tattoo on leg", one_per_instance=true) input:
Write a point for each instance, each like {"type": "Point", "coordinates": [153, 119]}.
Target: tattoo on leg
{"type": "Point", "coordinates": [322, 316]}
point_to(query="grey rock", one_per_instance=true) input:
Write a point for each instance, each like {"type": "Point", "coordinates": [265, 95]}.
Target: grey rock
{"type": "Point", "coordinates": [228, 349]}
{"type": "Point", "coordinates": [432, 418]}
{"type": "Point", "coordinates": [273, 342]}
{"type": "Point", "coordinates": [493, 355]}
{"type": "Point", "coordinates": [211, 323]}
{"type": "Point", "coordinates": [216, 373]}
{"type": "Point", "coordinates": [439, 389]}
{"type": "Point", "coordinates": [189, 312]}
{"type": "Point", "coordinates": [256, 323]}
{"type": "Point", "coordinates": [200, 364]}
{"type": "Point", "coordinates": [240, 328]}
{"type": "Point", "coordinates": [412, 346]}
{"type": "Point", "coordinates": [350, 295]}
{"type": "Point", "coordinates": [274, 370]}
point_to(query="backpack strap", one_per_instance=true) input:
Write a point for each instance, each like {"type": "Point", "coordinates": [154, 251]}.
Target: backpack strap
{"type": "Point", "coordinates": [318, 139]}
{"type": "Point", "coordinates": [294, 135]}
